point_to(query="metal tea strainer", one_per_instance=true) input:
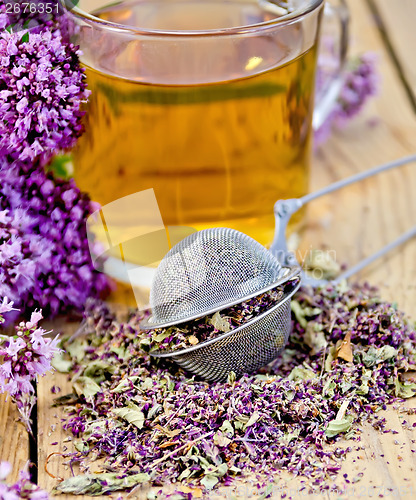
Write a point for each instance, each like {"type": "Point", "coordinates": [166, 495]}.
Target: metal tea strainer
{"type": "Point", "coordinates": [212, 270]}
{"type": "Point", "coordinates": [216, 268]}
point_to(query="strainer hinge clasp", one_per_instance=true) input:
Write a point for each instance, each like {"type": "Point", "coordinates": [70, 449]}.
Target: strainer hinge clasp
{"type": "Point", "coordinates": [283, 211]}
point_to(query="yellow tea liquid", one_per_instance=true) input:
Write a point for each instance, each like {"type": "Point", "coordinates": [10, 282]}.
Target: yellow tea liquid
{"type": "Point", "coordinates": [216, 154]}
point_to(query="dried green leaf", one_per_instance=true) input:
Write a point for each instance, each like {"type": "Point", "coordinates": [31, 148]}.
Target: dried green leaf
{"type": "Point", "coordinates": [221, 440]}
{"type": "Point", "coordinates": [345, 385]}
{"type": "Point", "coordinates": [329, 359]}
{"type": "Point", "coordinates": [147, 383]}
{"type": "Point", "coordinates": [124, 384]}
{"type": "Point", "coordinates": [404, 389]}
{"type": "Point", "coordinates": [336, 427]}
{"type": "Point", "coordinates": [97, 370]}
{"type": "Point", "coordinates": [61, 364]}
{"type": "Point", "coordinates": [184, 474]}
{"type": "Point", "coordinates": [222, 469]}
{"type": "Point", "coordinates": [99, 484]}
{"type": "Point", "coordinates": [376, 355]}
{"type": "Point", "coordinates": [387, 352]}
{"type": "Point", "coordinates": [85, 386]}
{"type": "Point", "coordinates": [231, 377]}
{"type": "Point", "coordinates": [302, 313]}
{"type": "Point", "coordinates": [234, 469]}
{"type": "Point", "coordinates": [329, 388]}
{"type": "Point", "coordinates": [81, 446]}
{"type": "Point", "coordinates": [76, 349]}
{"type": "Point", "coordinates": [66, 399]}
{"type": "Point", "coordinates": [242, 419]}
{"type": "Point", "coordinates": [227, 428]}
{"type": "Point", "coordinates": [96, 427]}
{"type": "Point", "coordinates": [238, 425]}
{"type": "Point", "coordinates": [365, 378]}
{"type": "Point", "coordinates": [209, 481]}
{"type": "Point", "coordinates": [289, 394]}
{"type": "Point", "coordinates": [287, 438]}
{"type": "Point", "coordinates": [154, 410]}
{"type": "Point", "coordinates": [121, 352]}
{"type": "Point", "coordinates": [315, 337]}
{"type": "Point", "coordinates": [132, 414]}
{"type": "Point", "coordinates": [81, 485]}
{"type": "Point", "coordinates": [160, 337]}
{"type": "Point", "coordinates": [220, 323]}
{"type": "Point", "coordinates": [299, 313]}
{"type": "Point", "coordinates": [252, 420]}
{"type": "Point", "coordinates": [301, 373]}
{"type": "Point", "coordinates": [170, 383]}
{"type": "Point", "coordinates": [257, 389]}
{"type": "Point", "coordinates": [164, 334]}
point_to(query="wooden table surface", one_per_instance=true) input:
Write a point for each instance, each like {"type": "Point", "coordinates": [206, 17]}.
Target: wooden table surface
{"type": "Point", "coordinates": [354, 223]}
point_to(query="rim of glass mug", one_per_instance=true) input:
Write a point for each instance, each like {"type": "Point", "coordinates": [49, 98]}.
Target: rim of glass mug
{"type": "Point", "coordinates": [307, 7]}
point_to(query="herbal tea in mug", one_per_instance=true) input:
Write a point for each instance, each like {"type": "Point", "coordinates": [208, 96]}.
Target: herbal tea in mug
{"type": "Point", "coordinates": [208, 102]}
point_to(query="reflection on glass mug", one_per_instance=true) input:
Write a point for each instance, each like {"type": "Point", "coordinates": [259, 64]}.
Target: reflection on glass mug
{"type": "Point", "coordinates": [207, 102]}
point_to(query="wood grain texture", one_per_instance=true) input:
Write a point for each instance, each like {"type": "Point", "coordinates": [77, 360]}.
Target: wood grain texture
{"type": "Point", "coordinates": [14, 442]}
{"type": "Point", "coordinates": [360, 219]}
{"type": "Point", "coordinates": [52, 439]}
{"type": "Point", "coordinates": [398, 19]}
{"type": "Point", "coordinates": [354, 222]}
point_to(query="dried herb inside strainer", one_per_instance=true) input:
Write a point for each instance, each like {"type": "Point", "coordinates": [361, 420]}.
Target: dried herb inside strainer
{"type": "Point", "coordinates": [199, 330]}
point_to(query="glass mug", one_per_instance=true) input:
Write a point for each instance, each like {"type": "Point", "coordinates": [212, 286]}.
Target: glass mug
{"type": "Point", "coordinates": [207, 102]}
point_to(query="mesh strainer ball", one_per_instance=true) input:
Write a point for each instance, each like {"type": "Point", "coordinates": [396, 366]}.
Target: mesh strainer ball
{"type": "Point", "coordinates": [211, 270]}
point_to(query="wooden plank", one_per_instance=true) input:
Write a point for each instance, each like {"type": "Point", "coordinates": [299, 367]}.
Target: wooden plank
{"type": "Point", "coordinates": [398, 20]}
{"type": "Point", "coordinates": [14, 442]}
{"type": "Point", "coordinates": [53, 442]}
{"type": "Point", "coordinates": [377, 466]}
{"type": "Point", "coordinates": [360, 219]}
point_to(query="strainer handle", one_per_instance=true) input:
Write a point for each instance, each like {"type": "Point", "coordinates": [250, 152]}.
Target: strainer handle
{"type": "Point", "coordinates": [369, 260]}
{"type": "Point", "coordinates": [284, 209]}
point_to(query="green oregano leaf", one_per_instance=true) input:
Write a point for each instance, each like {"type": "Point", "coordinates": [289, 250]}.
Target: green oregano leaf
{"type": "Point", "coordinates": [86, 386]}
{"type": "Point", "coordinates": [336, 427]}
{"type": "Point", "coordinates": [132, 414]}
{"type": "Point", "coordinates": [100, 484]}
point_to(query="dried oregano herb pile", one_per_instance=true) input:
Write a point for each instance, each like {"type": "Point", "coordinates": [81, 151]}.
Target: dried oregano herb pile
{"type": "Point", "coordinates": [194, 332]}
{"type": "Point", "coordinates": [152, 423]}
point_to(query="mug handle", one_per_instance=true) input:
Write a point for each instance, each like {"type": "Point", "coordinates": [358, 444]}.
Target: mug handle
{"type": "Point", "coordinates": [336, 16]}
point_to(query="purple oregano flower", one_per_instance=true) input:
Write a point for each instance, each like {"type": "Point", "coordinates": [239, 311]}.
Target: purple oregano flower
{"type": "Point", "coordinates": [42, 88]}
{"type": "Point", "coordinates": [22, 489]}
{"type": "Point", "coordinates": [45, 258]}
{"type": "Point", "coordinates": [360, 83]}
{"type": "Point", "coordinates": [44, 253]}
{"type": "Point", "coordinates": [25, 356]}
